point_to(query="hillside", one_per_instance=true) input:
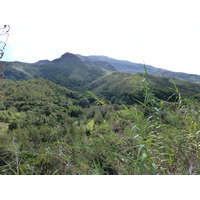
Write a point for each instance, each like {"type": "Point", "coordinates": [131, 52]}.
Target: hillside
{"type": "Point", "coordinates": [20, 71]}
{"type": "Point", "coordinates": [38, 93]}
{"type": "Point", "coordinates": [128, 88]}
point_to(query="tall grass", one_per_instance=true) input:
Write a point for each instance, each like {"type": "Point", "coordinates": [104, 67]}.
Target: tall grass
{"type": "Point", "coordinates": [166, 138]}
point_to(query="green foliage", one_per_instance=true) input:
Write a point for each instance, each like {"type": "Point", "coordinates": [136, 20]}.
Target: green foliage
{"type": "Point", "coordinates": [48, 129]}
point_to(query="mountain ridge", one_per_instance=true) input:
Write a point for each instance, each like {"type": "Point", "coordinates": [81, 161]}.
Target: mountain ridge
{"type": "Point", "coordinates": [101, 75]}
{"type": "Point", "coordinates": [131, 67]}
{"type": "Point", "coordinates": [112, 64]}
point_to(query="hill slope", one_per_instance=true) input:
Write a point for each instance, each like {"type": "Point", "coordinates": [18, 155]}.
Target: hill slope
{"type": "Point", "coordinates": [20, 71]}
{"type": "Point", "coordinates": [129, 88]}
{"type": "Point", "coordinates": [41, 96]}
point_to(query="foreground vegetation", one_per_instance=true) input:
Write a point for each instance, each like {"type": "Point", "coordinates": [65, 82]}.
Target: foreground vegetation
{"type": "Point", "coordinates": [48, 129]}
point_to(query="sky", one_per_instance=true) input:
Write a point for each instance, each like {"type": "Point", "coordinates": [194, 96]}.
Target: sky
{"type": "Point", "coordinates": [161, 33]}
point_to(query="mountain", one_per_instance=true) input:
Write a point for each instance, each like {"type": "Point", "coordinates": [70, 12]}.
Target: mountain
{"type": "Point", "coordinates": [103, 76]}
{"type": "Point", "coordinates": [122, 65]}
{"type": "Point", "coordinates": [83, 68]}
{"type": "Point", "coordinates": [68, 71]}
{"type": "Point", "coordinates": [130, 67]}
{"type": "Point", "coordinates": [68, 58]}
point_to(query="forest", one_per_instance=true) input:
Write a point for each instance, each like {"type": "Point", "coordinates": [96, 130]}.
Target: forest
{"type": "Point", "coordinates": [90, 121]}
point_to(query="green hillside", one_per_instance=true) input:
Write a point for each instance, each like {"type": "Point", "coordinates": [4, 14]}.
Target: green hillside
{"type": "Point", "coordinates": [127, 88]}
{"type": "Point", "coordinates": [40, 94]}
{"type": "Point", "coordinates": [20, 71]}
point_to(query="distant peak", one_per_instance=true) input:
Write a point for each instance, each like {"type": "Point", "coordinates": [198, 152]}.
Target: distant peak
{"type": "Point", "coordinates": [43, 62]}
{"type": "Point", "coordinates": [69, 57]}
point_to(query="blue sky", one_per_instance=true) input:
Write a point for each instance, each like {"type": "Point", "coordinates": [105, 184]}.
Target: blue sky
{"type": "Point", "coordinates": [162, 33]}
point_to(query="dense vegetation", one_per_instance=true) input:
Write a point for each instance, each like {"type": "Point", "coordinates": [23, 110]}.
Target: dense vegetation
{"type": "Point", "coordinates": [126, 125]}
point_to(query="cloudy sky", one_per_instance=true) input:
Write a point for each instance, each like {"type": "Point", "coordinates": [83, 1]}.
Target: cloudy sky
{"type": "Point", "coordinates": [162, 33]}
